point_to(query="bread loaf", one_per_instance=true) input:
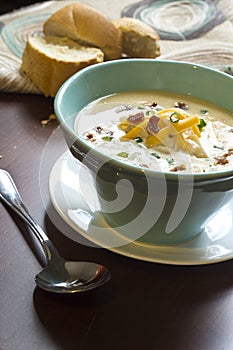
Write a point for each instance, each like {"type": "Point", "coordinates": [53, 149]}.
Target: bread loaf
{"type": "Point", "coordinates": [138, 39]}
{"type": "Point", "coordinates": [49, 61]}
{"type": "Point", "coordinates": [87, 26]}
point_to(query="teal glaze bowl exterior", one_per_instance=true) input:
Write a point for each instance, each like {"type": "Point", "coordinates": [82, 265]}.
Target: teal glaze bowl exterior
{"type": "Point", "coordinates": [179, 205]}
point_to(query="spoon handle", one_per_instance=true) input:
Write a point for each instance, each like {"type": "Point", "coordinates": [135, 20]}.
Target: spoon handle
{"type": "Point", "coordinates": [11, 197]}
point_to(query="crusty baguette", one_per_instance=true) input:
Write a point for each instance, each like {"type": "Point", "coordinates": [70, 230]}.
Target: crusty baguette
{"type": "Point", "coordinates": [49, 61]}
{"type": "Point", "coordinates": [87, 26]}
{"type": "Point", "coordinates": [138, 39]}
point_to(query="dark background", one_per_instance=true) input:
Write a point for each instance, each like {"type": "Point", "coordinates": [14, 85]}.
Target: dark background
{"type": "Point", "coordinates": [10, 5]}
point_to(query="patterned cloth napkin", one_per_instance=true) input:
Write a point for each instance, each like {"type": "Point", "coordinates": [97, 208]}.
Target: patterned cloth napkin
{"type": "Point", "coordinates": [197, 31]}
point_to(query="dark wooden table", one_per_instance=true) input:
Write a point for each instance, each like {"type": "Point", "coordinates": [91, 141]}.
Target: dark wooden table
{"type": "Point", "coordinates": [144, 306]}
{"type": "Point", "coordinates": [7, 6]}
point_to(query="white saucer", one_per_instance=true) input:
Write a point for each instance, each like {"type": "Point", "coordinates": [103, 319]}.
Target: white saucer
{"type": "Point", "coordinates": [213, 245]}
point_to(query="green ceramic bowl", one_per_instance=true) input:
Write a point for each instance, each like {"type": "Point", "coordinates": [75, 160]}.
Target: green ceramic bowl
{"type": "Point", "coordinates": [164, 208]}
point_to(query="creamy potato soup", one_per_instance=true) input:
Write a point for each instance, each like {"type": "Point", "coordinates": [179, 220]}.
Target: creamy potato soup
{"type": "Point", "coordinates": [160, 131]}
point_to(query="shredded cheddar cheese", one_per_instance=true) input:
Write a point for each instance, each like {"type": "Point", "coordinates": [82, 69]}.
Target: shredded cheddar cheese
{"type": "Point", "coordinates": [172, 122]}
{"type": "Point", "coordinates": [186, 123]}
{"type": "Point", "coordinates": [135, 131]}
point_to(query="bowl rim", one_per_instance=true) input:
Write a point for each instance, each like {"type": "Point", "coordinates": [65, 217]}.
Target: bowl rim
{"type": "Point", "coordinates": [127, 167]}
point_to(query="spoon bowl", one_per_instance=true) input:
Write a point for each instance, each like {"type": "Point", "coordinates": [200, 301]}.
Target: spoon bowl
{"type": "Point", "coordinates": [59, 275]}
{"type": "Point", "coordinates": [71, 276]}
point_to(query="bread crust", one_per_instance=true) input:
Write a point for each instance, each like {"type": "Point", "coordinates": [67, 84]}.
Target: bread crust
{"type": "Point", "coordinates": [87, 26]}
{"type": "Point", "coordinates": [138, 38]}
{"type": "Point", "coordinates": [49, 61]}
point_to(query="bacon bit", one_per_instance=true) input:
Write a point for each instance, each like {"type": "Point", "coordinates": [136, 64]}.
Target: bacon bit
{"type": "Point", "coordinates": [90, 136]}
{"type": "Point", "coordinates": [229, 153]}
{"type": "Point", "coordinates": [109, 132]}
{"type": "Point", "coordinates": [152, 125]}
{"type": "Point", "coordinates": [182, 105]}
{"type": "Point", "coordinates": [99, 129]}
{"type": "Point", "coordinates": [136, 118]}
{"type": "Point", "coordinates": [154, 104]}
{"type": "Point", "coordinates": [179, 167]}
{"type": "Point", "coordinates": [223, 159]}
{"type": "Point", "coordinates": [123, 108]}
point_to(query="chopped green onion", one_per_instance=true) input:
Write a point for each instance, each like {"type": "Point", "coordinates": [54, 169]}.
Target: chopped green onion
{"type": "Point", "coordinates": [123, 154]}
{"type": "Point", "coordinates": [107, 138]}
{"type": "Point", "coordinates": [174, 117]}
{"type": "Point", "coordinates": [156, 155]}
{"type": "Point", "coordinates": [138, 139]}
{"type": "Point", "coordinates": [202, 124]}
{"type": "Point", "coordinates": [150, 112]}
{"type": "Point", "coordinates": [170, 160]}
{"type": "Point", "coordinates": [204, 111]}
{"type": "Point", "coordinates": [218, 147]}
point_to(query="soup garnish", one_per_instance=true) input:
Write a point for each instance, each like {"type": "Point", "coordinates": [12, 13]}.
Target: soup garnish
{"type": "Point", "coordinates": [174, 139]}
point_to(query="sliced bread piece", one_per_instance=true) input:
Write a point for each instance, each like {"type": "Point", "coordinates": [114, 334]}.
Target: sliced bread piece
{"type": "Point", "coordinates": [138, 39]}
{"type": "Point", "coordinates": [48, 61]}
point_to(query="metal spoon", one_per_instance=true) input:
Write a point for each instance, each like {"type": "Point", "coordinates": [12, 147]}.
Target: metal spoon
{"type": "Point", "coordinates": [59, 275]}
